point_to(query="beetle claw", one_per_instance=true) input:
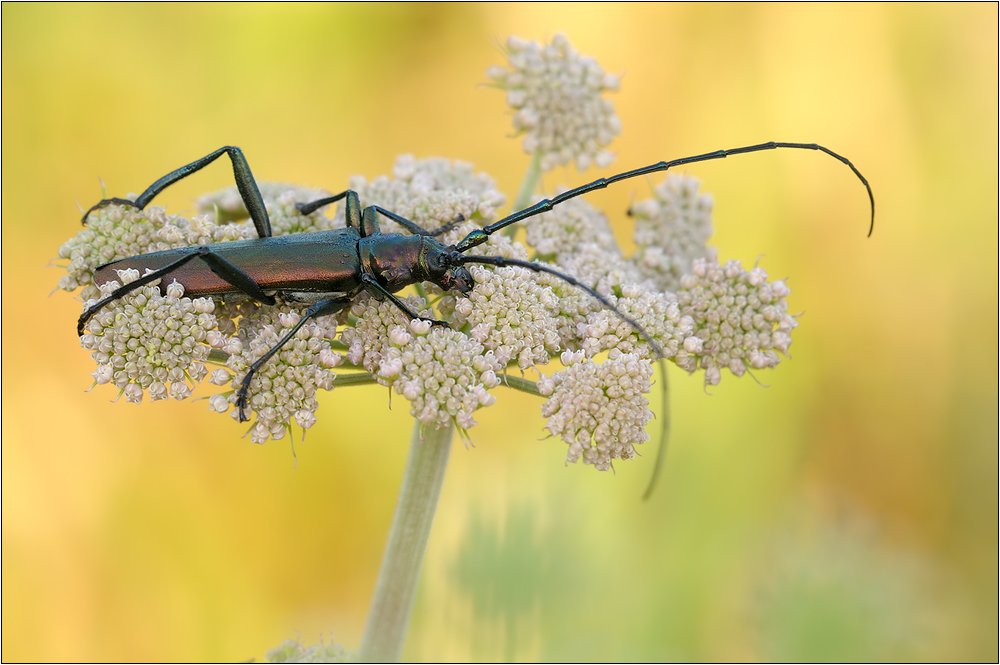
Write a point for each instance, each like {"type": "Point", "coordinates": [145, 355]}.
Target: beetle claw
{"type": "Point", "coordinates": [243, 400]}
{"type": "Point", "coordinates": [435, 322]}
{"type": "Point", "coordinates": [241, 403]}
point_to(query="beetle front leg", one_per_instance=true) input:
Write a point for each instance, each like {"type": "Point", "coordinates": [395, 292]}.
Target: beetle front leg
{"type": "Point", "coordinates": [415, 228]}
{"type": "Point", "coordinates": [373, 287]}
{"type": "Point", "coordinates": [322, 308]}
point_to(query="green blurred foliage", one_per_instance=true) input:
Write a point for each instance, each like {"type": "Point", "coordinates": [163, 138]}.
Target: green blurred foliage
{"type": "Point", "coordinates": [848, 512]}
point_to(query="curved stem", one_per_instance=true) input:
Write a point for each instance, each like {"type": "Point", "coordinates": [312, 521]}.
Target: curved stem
{"type": "Point", "coordinates": [661, 453]}
{"type": "Point", "coordinates": [389, 615]}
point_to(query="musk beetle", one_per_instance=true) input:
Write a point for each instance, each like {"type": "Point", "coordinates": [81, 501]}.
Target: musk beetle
{"type": "Point", "coordinates": [328, 269]}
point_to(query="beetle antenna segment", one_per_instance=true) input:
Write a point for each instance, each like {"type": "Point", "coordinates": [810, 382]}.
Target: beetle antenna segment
{"type": "Point", "coordinates": [501, 261]}
{"type": "Point", "coordinates": [479, 236]}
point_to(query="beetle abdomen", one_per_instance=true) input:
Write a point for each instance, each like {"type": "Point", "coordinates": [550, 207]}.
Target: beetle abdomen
{"type": "Point", "coordinates": [325, 261]}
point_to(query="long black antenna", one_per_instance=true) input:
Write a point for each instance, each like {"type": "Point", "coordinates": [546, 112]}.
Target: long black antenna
{"type": "Point", "coordinates": [479, 236]}
{"type": "Point", "coordinates": [501, 261]}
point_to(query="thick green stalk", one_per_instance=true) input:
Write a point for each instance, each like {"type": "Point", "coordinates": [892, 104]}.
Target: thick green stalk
{"type": "Point", "coordinates": [528, 185]}
{"type": "Point", "coordinates": [389, 615]}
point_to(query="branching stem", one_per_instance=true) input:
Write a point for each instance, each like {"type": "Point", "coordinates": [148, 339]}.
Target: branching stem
{"type": "Point", "coordinates": [517, 383]}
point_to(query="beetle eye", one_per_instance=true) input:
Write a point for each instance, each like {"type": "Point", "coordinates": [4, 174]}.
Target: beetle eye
{"type": "Point", "coordinates": [436, 261]}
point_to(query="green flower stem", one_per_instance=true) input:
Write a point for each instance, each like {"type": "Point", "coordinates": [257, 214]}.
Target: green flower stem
{"type": "Point", "coordinates": [528, 186]}
{"type": "Point", "coordinates": [353, 379]}
{"type": "Point", "coordinates": [366, 379]}
{"type": "Point", "coordinates": [389, 615]}
{"type": "Point", "coordinates": [217, 357]}
{"type": "Point", "coordinates": [517, 383]}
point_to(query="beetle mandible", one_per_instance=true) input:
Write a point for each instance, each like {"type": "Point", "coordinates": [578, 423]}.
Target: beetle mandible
{"type": "Point", "coordinates": [328, 269]}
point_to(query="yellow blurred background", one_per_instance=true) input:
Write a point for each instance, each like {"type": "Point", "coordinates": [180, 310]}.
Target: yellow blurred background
{"type": "Point", "coordinates": [847, 512]}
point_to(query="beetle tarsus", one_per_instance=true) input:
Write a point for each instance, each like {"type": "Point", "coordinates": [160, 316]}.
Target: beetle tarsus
{"type": "Point", "coordinates": [243, 398]}
{"type": "Point", "coordinates": [441, 230]}
{"type": "Point", "coordinates": [106, 202]}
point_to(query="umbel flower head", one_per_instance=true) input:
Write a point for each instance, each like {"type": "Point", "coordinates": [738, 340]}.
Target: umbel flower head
{"type": "Point", "coordinates": [703, 316]}
{"type": "Point", "coordinates": [558, 103]}
{"type": "Point", "coordinates": [150, 341]}
{"type": "Point", "coordinates": [158, 341]}
{"type": "Point", "coordinates": [599, 410]}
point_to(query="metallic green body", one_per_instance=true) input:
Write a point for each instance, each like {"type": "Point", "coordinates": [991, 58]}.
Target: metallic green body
{"type": "Point", "coordinates": [320, 262]}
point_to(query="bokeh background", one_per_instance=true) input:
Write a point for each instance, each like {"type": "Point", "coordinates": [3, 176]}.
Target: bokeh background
{"type": "Point", "coordinates": [846, 512]}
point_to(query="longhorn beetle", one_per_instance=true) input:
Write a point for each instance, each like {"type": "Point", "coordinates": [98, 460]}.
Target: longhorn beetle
{"type": "Point", "coordinates": [330, 268]}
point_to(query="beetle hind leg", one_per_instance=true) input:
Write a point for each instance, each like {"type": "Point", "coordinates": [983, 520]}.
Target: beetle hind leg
{"type": "Point", "coordinates": [245, 183]}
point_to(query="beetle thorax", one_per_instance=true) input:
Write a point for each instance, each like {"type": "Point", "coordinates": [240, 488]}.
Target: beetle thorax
{"type": "Point", "coordinates": [398, 261]}
{"type": "Point", "coordinates": [392, 258]}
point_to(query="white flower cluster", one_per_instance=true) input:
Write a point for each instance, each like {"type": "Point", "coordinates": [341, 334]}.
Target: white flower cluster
{"type": "Point", "coordinates": [716, 317]}
{"type": "Point", "coordinates": [672, 230]}
{"type": "Point", "coordinates": [512, 315]}
{"type": "Point", "coordinates": [657, 313]}
{"type": "Point", "coordinates": [599, 410]}
{"type": "Point", "coordinates": [431, 192]}
{"type": "Point", "coordinates": [285, 386]}
{"type": "Point", "coordinates": [369, 339]}
{"type": "Point", "coordinates": [445, 374]}
{"type": "Point", "coordinates": [561, 231]}
{"type": "Point", "coordinates": [671, 294]}
{"type": "Point", "coordinates": [557, 99]}
{"type": "Point", "coordinates": [148, 341]}
{"type": "Point", "coordinates": [741, 320]}
{"type": "Point", "coordinates": [576, 237]}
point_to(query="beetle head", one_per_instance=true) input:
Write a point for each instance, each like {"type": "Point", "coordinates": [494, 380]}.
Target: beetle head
{"type": "Point", "coordinates": [443, 267]}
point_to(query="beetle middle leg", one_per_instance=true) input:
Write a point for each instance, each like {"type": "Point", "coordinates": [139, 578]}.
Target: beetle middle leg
{"type": "Point", "coordinates": [415, 228]}
{"type": "Point", "coordinates": [222, 267]}
{"type": "Point", "coordinates": [321, 308]}
{"type": "Point", "coordinates": [353, 213]}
